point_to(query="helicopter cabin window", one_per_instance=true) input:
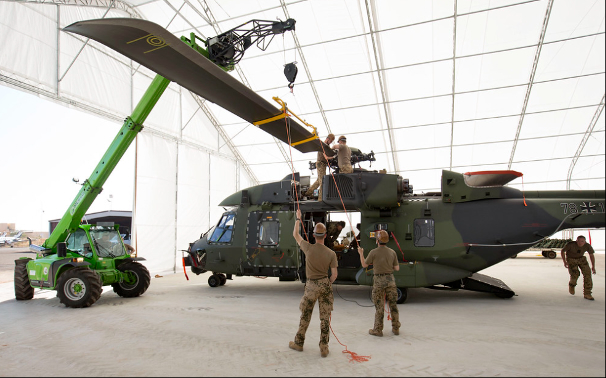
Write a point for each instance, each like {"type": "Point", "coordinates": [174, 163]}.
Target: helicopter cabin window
{"type": "Point", "coordinates": [424, 232]}
{"type": "Point", "coordinates": [223, 232]}
{"type": "Point", "coordinates": [76, 242]}
{"type": "Point", "coordinates": [269, 233]}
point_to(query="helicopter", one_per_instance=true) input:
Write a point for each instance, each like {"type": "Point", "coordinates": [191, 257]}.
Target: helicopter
{"type": "Point", "coordinates": [442, 239]}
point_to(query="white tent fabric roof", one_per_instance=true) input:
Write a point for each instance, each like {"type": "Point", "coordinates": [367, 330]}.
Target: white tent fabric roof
{"type": "Point", "coordinates": [427, 85]}
{"type": "Point", "coordinates": [522, 90]}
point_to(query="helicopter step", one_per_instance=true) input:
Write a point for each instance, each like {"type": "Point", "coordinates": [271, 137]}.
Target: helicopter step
{"type": "Point", "coordinates": [484, 284]}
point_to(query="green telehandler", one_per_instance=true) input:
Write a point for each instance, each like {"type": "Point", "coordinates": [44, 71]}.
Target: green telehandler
{"type": "Point", "coordinates": [77, 260]}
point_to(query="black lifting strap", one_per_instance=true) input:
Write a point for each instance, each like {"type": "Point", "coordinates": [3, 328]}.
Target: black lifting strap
{"type": "Point", "coordinates": [290, 71]}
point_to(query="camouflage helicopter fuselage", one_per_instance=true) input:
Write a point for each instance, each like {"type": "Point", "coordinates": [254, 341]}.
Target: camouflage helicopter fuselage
{"type": "Point", "coordinates": [440, 238]}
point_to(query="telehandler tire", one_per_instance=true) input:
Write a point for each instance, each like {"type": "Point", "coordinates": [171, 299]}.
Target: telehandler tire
{"type": "Point", "coordinates": [137, 288]}
{"type": "Point", "coordinates": [23, 290]}
{"type": "Point", "coordinates": [79, 287]}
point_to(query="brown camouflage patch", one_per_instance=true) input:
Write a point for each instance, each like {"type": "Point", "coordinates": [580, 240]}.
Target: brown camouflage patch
{"type": "Point", "coordinates": [573, 268]}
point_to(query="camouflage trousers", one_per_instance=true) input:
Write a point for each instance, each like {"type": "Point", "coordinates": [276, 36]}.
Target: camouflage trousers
{"type": "Point", "coordinates": [345, 168]}
{"type": "Point", "coordinates": [320, 290]}
{"type": "Point", "coordinates": [384, 290]}
{"type": "Point", "coordinates": [321, 169]}
{"type": "Point", "coordinates": [573, 269]}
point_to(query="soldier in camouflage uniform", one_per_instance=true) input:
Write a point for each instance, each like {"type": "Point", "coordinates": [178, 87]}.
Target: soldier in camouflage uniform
{"type": "Point", "coordinates": [343, 155]}
{"type": "Point", "coordinates": [572, 255]}
{"type": "Point", "coordinates": [333, 232]}
{"type": "Point", "coordinates": [318, 259]}
{"type": "Point", "coordinates": [384, 261]}
{"type": "Point", "coordinates": [321, 164]}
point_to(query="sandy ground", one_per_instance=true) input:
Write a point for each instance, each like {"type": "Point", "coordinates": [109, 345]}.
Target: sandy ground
{"type": "Point", "coordinates": [186, 328]}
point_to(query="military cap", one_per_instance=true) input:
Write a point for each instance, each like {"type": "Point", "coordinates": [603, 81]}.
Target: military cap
{"type": "Point", "coordinates": [382, 236]}
{"type": "Point", "coordinates": [319, 230]}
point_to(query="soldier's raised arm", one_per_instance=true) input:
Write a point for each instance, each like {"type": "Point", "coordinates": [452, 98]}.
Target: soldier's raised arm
{"type": "Point", "coordinates": [295, 232]}
{"type": "Point", "coordinates": [362, 261]}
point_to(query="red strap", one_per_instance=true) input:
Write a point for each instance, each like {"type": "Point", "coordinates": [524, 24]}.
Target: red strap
{"type": "Point", "coordinates": [184, 271]}
{"type": "Point", "coordinates": [398, 244]}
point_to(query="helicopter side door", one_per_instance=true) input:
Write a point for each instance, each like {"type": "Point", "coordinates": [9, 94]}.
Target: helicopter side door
{"type": "Point", "coordinates": [271, 249]}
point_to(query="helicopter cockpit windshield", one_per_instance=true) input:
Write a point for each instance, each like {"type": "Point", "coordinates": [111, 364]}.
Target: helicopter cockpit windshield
{"type": "Point", "coordinates": [223, 231]}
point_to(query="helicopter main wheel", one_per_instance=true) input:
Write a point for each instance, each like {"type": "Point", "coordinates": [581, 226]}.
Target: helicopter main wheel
{"type": "Point", "coordinates": [514, 256]}
{"type": "Point", "coordinates": [137, 283]}
{"type": "Point", "coordinates": [23, 290]}
{"type": "Point", "coordinates": [214, 280]}
{"type": "Point", "coordinates": [552, 254]}
{"type": "Point", "coordinates": [79, 287]}
{"type": "Point", "coordinates": [402, 295]}
{"type": "Point", "coordinates": [222, 279]}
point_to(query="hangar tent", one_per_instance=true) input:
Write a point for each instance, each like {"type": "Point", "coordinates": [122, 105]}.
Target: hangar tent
{"type": "Point", "coordinates": [463, 85]}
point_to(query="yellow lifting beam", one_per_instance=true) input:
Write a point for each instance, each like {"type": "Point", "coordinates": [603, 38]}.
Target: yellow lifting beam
{"type": "Point", "coordinates": [287, 113]}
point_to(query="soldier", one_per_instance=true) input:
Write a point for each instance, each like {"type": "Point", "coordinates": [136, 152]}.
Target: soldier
{"type": "Point", "coordinates": [318, 286]}
{"type": "Point", "coordinates": [344, 155]}
{"type": "Point", "coordinates": [334, 230]}
{"type": "Point", "coordinates": [321, 164]}
{"type": "Point", "coordinates": [572, 255]}
{"type": "Point", "coordinates": [385, 261]}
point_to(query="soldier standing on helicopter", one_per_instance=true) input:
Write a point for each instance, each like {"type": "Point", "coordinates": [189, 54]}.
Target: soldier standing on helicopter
{"type": "Point", "coordinates": [385, 261]}
{"type": "Point", "coordinates": [321, 164]}
{"type": "Point", "coordinates": [318, 258]}
{"type": "Point", "coordinates": [344, 155]}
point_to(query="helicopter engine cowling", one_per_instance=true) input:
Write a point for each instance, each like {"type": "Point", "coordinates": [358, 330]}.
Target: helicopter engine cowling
{"type": "Point", "coordinates": [365, 190]}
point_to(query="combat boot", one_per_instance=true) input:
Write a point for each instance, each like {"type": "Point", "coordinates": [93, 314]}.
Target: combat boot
{"type": "Point", "coordinates": [324, 350]}
{"type": "Point", "coordinates": [396, 331]}
{"type": "Point", "coordinates": [375, 333]}
{"type": "Point", "coordinates": [292, 345]}
{"type": "Point", "coordinates": [571, 289]}
{"type": "Point", "coordinates": [588, 296]}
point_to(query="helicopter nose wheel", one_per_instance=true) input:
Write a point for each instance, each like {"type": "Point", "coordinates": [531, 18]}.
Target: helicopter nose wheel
{"type": "Point", "coordinates": [214, 281]}
{"type": "Point", "coordinates": [218, 279]}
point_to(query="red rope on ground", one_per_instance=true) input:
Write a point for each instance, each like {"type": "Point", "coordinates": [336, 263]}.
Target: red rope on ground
{"type": "Point", "coordinates": [353, 356]}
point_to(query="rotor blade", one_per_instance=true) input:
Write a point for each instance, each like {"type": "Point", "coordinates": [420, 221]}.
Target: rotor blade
{"type": "Point", "coordinates": [157, 49]}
